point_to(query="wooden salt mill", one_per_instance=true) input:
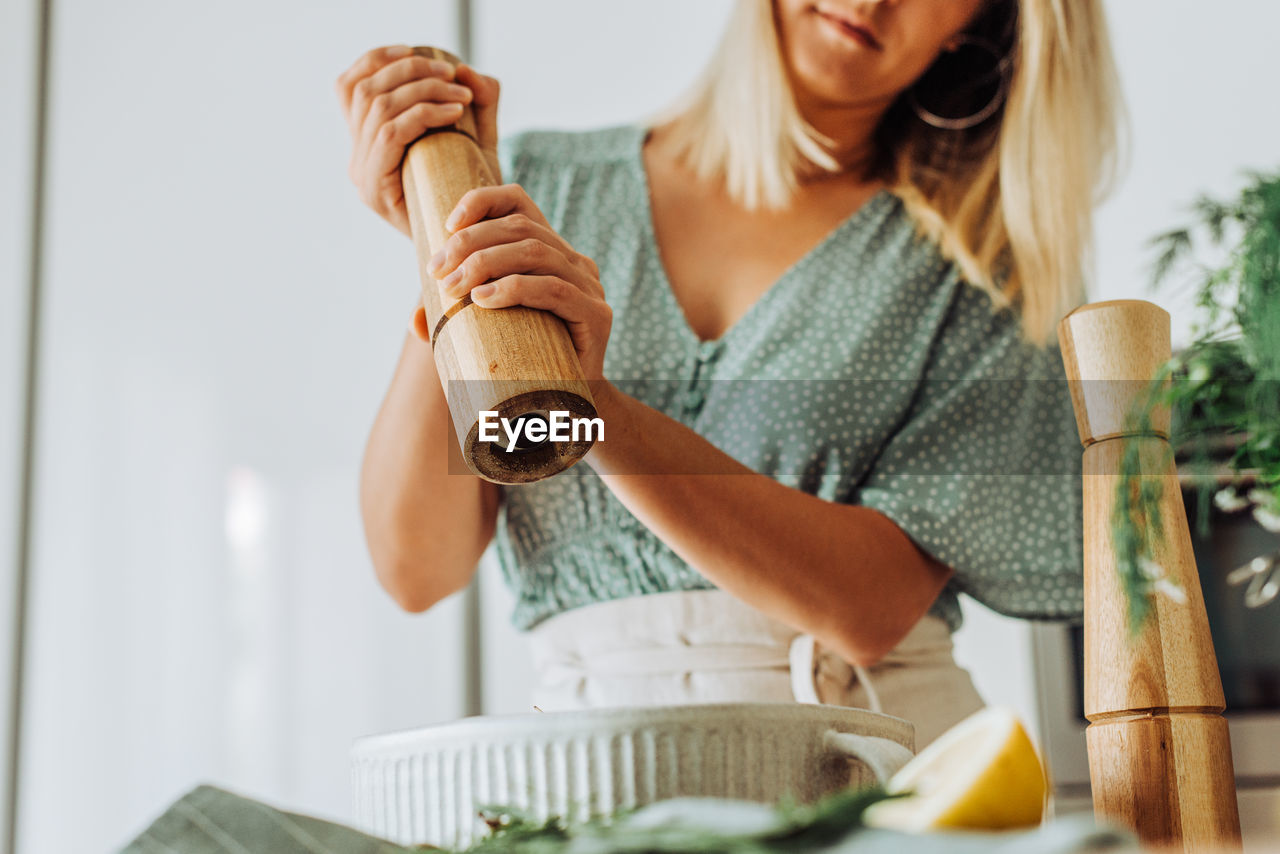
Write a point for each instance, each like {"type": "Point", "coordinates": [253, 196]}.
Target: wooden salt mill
{"type": "Point", "coordinates": [517, 361]}
{"type": "Point", "coordinates": [1159, 749]}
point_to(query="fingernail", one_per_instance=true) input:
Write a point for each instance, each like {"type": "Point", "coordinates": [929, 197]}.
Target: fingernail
{"type": "Point", "coordinates": [452, 279]}
{"type": "Point", "coordinates": [482, 291]}
{"type": "Point", "coordinates": [399, 50]}
{"type": "Point", "coordinates": [435, 262]}
{"type": "Point", "coordinates": [451, 221]}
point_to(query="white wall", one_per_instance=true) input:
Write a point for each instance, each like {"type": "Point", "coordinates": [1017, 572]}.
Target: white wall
{"type": "Point", "coordinates": [583, 64]}
{"type": "Point", "coordinates": [1200, 83]}
{"type": "Point", "coordinates": [221, 319]}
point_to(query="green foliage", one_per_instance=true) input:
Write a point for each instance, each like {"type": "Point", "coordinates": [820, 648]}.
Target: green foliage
{"type": "Point", "coordinates": [687, 824]}
{"type": "Point", "coordinates": [1226, 383]}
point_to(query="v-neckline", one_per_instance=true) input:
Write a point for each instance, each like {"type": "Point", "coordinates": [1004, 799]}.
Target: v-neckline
{"type": "Point", "coordinates": [776, 288]}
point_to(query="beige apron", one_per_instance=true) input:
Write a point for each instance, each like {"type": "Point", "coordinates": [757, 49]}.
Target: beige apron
{"type": "Point", "coordinates": [706, 646]}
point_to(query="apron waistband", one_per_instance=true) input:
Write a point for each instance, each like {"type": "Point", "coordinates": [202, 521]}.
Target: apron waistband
{"type": "Point", "coordinates": [699, 631]}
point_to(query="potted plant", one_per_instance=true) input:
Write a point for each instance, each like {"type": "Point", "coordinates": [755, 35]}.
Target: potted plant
{"type": "Point", "coordinates": [1223, 391]}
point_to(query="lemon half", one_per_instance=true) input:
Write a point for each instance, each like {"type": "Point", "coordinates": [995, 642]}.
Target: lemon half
{"type": "Point", "coordinates": [983, 773]}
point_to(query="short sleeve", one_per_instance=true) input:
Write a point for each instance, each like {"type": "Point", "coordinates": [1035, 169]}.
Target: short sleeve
{"type": "Point", "coordinates": [984, 471]}
{"type": "Point", "coordinates": [508, 152]}
{"type": "Point", "coordinates": [538, 161]}
{"type": "Point", "coordinates": [514, 157]}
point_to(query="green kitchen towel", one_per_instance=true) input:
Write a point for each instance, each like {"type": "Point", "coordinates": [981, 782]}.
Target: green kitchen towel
{"type": "Point", "coordinates": [209, 820]}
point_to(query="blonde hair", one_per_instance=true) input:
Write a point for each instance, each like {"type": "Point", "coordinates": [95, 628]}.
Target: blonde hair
{"type": "Point", "coordinates": [1010, 201]}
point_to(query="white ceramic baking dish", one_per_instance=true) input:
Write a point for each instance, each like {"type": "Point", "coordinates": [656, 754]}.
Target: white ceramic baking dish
{"type": "Point", "coordinates": [426, 785]}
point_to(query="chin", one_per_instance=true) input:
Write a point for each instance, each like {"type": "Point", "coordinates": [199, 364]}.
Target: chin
{"type": "Point", "coordinates": [827, 68]}
{"type": "Point", "coordinates": [845, 86]}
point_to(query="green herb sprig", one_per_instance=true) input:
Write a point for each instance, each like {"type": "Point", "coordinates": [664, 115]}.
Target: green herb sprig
{"type": "Point", "coordinates": [704, 825]}
{"type": "Point", "coordinates": [1225, 383]}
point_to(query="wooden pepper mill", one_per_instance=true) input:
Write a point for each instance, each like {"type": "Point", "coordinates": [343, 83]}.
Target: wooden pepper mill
{"type": "Point", "coordinates": [1159, 748]}
{"type": "Point", "coordinates": [517, 361]}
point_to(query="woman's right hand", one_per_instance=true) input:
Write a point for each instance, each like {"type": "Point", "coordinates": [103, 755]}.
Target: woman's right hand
{"type": "Point", "coordinates": [390, 97]}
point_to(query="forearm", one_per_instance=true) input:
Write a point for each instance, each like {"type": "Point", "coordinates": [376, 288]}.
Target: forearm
{"type": "Point", "coordinates": [425, 528]}
{"type": "Point", "coordinates": [846, 574]}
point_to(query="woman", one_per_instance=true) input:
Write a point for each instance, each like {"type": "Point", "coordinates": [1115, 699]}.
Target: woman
{"type": "Point", "coordinates": [882, 209]}
{"type": "Point", "coordinates": [915, 439]}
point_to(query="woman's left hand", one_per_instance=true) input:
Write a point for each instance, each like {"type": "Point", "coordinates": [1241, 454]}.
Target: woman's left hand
{"type": "Point", "coordinates": [503, 250]}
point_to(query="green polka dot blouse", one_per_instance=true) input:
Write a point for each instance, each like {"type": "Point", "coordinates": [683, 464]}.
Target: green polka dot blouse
{"type": "Point", "coordinates": [869, 373]}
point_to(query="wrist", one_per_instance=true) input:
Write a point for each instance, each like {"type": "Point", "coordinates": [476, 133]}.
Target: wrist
{"type": "Point", "coordinates": [606, 397]}
{"type": "Point", "coordinates": [610, 404]}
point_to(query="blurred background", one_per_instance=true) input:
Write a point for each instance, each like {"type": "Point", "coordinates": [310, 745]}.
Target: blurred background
{"type": "Point", "coordinates": [198, 320]}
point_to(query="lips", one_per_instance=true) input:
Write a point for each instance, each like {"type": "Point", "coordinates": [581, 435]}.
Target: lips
{"type": "Point", "coordinates": [856, 29]}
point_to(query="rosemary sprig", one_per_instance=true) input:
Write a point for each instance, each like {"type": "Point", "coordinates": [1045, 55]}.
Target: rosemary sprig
{"type": "Point", "coordinates": [690, 824]}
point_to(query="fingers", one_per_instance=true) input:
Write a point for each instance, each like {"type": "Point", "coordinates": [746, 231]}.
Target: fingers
{"type": "Point", "coordinates": [392, 96]}
{"type": "Point", "coordinates": [387, 78]}
{"type": "Point", "coordinates": [389, 105]}
{"type": "Point", "coordinates": [486, 88]}
{"type": "Point", "coordinates": [367, 64]}
{"type": "Point", "coordinates": [491, 203]}
{"type": "Point", "coordinates": [529, 257]}
{"type": "Point", "coordinates": [500, 231]}
{"type": "Point", "coordinates": [587, 318]}
{"type": "Point", "coordinates": [386, 149]}
{"type": "Point", "coordinates": [484, 106]}
{"type": "Point", "coordinates": [491, 232]}
{"type": "Point", "coordinates": [554, 294]}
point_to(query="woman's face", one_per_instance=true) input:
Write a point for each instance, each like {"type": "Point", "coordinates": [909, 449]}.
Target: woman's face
{"type": "Point", "coordinates": [848, 52]}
